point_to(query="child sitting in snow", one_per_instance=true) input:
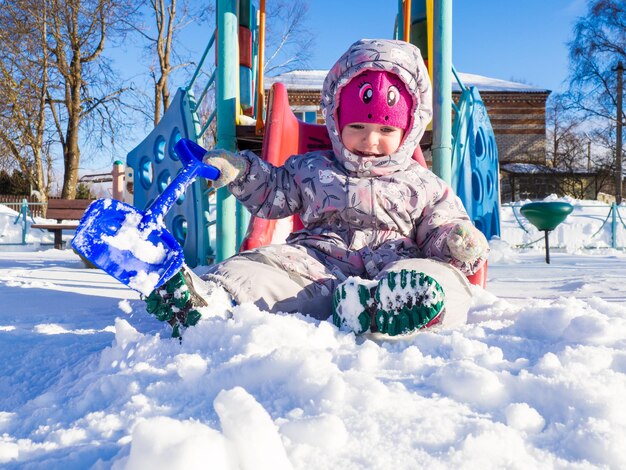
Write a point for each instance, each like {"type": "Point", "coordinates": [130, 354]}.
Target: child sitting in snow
{"type": "Point", "coordinates": [386, 245]}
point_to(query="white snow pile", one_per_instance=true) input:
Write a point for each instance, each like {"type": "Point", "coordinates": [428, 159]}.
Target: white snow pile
{"type": "Point", "coordinates": [11, 230]}
{"type": "Point", "coordinates": [536, 379]}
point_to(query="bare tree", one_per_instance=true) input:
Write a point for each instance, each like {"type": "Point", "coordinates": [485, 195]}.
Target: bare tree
{"type": "Point", "coordinates": [289, 42]}
{"type": "Point", "coordinates": [289, 45]}
{"type": "Point", "coordinates": [163, 30]}
{"type": "Point", "coordinates": [23, 86]}
{"type": "Point", "coordinates": [82, 85]}
{"type": "Point", "coordinates": [599, 43]}
{"type": "Point", "coordinates": [580, 154]}
{"type": "Point", "coordinates": [567, 144]}
{"type": "Point", "coordinates": [603, 156]}
{"type": "Point", "coordinates": [206, 107]}
{"type": "Point", "coordinates": [165, 16]}
{"type": "Point", "coordinates": [556, 128]}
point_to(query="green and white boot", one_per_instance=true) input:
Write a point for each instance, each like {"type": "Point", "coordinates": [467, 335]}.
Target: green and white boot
{"type": "Point", "coordinates": [354, 305]}
{"type": "Point", "coordinates": [177, 302]}
{"type": "Point", "coordinates": [408, 301]}
{"type": "Point", "coordinates": [399, 303]}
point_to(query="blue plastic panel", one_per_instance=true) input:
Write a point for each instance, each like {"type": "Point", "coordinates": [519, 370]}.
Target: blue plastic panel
{"type": "Point", "coordinates": [475, 166]}
{"type": "Point", "coordinates": [155, 162]}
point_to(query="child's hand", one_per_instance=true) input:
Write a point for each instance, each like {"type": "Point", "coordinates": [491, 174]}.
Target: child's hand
{"type": "Point", "coordinates": [173, 302]}
{"type": "Point", "coordinates": [230, 164]}
{"type": "Point", "coordinates": [467, 243]}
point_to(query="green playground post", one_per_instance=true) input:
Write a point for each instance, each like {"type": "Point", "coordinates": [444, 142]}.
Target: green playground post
{"type": "Point", "coordinates": [614, 225]}
{"type": "Point", "coordinates": [227, 91]}
{"type": "Point", "coordinates": [399, 29]}
{"type": "Point", "coordinates": [242, 220]}
{"type": "Point", "coordinates": [442, 86]}
{"type": "Point", "coordinates": [24, 215]}
{"type": "Point", "coordinates": [247, 18]}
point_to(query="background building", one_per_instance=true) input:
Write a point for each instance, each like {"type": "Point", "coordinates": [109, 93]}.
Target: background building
{"type": "Point", "coordinates": [517, 111]}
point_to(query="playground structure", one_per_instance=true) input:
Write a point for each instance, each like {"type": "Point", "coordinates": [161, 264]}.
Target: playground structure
{"type": "Point", "coordinates": [546, 216]}
{"type": "Point", "coordinates": [464, 153]}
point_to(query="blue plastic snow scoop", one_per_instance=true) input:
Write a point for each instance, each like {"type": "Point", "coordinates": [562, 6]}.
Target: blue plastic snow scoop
{"type": "Point", "coordinates": [134, 246]}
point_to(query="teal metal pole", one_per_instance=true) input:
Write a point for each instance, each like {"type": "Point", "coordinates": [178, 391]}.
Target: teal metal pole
{"type": "Point", "coordinates": [24, 213]}
{"type": "Point", "coordinates": [614, 226]}
{"type": "Point", "coordinates": [400, 22]}
{"type": "Point", "coordinates": [227, 90]}
{"type": "Point", "coordinates": [243, 220]}
{"type": "Point", "coordinates": [242, 216]}
{"type": "Point", "coordinates": [442, 87]}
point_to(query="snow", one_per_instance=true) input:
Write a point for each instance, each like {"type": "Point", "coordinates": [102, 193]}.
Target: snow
{"type": "Point", "coordinates": [133, 238]}
{"type": "Point", "coordinates": [536, 379]}
{"type": "Point", "coordinates": [314, 79]}
{"type": "Point", "coordinates": [352, 307]}
{"type": "Point", "coordinates": [483, 83]}
{"type": "Point", "coordinates": [533, 168]}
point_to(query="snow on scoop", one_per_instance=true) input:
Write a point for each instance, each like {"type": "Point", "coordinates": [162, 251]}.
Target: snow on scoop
{"type": "Point", "coordinates": [134, 246]}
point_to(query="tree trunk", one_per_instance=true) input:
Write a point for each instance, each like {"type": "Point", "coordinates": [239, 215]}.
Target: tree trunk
{"type": "Point", "coordinates": [38, 178]}
{"type": "Point", "coordinates": [158, 100]}
{"type": "Point", "coordinates": [71, 150]}
{"type": "Point", "coordinates": [71, 159]}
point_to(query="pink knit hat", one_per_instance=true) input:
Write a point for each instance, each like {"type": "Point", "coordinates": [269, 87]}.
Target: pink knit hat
{"type": "Point", "coordinates": [377, 97]}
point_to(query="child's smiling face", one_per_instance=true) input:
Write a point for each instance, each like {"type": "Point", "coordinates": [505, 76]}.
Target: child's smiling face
{"type": "Point", "coordinates": [371, 140]}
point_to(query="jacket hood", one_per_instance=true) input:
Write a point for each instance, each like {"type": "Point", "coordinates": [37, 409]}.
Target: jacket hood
{"type": "Point", "coordinates": [400, 58]}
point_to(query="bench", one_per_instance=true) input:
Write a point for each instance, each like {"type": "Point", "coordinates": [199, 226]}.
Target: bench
{"type": "Point", "coordinates": [63, 210]}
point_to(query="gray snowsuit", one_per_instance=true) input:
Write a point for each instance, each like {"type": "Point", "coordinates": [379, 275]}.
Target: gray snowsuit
{"type": "Point", "coordinates": [362, 216]}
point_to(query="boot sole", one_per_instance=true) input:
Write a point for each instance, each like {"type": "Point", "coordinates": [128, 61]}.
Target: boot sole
{"type": "Point", "coordinates": [399, 303]}
{"type": "Point", "coordinates": [408, 301]}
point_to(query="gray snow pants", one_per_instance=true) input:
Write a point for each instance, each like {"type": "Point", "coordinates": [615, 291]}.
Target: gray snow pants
{"type": "Point", "coordinates": [288, 278]}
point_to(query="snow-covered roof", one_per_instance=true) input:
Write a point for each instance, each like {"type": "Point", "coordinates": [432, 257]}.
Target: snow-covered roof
{"type": "Point", "coordinates": [299, 79]}
{"type": "Point", "coordinates": [313, 80]}
{"type": "Point", "coordinates": [533, 168]}
{"type": "Point", "coordinates": [527, 168]}
{"type": "Point", "coordinates": [493, 84]}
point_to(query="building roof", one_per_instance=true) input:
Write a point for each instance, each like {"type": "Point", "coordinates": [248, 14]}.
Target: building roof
{"type": "Point", "coordinates": [526, 168]}
{"type": "Point", "coordinates": [534, 168]}
{"type": "Point", "coordinates": [313, 80]}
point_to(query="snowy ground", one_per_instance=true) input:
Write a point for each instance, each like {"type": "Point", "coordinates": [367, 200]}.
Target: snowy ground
{"type": "Point", "coordinates": [537, 378]}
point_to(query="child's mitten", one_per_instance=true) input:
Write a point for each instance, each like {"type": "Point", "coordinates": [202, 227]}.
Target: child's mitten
{"type": "Point", "coordinates": [230, 164]}
{"type": "Point", "coordinates": [467, 243]}
{"type": "Point", "coordinates": [176, 302]}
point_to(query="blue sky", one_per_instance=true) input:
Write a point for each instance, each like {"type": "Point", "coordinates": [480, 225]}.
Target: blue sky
{"type": "Point", "coordinates": [523, 40]}
{"type": "Point", "coordinates": [520, 40]}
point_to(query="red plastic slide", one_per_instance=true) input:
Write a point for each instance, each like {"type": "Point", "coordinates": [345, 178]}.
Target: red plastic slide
{"type": "Point", "coordinates": [285, 135]}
